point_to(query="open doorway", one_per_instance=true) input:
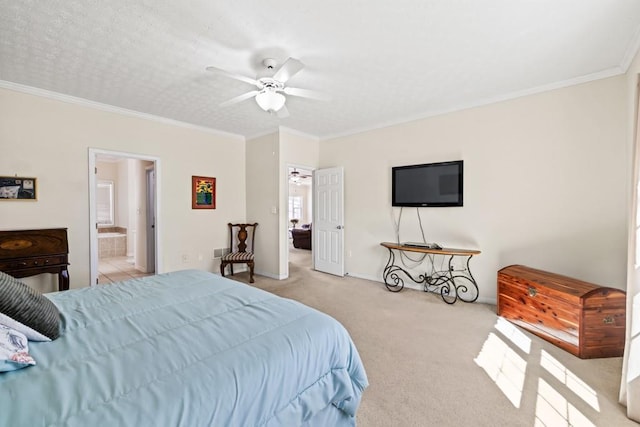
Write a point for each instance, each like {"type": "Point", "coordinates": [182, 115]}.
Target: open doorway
{"type": "Point", "coordinates": [123, 192]}
{"type": "Point", "coordinates": [299, 217]}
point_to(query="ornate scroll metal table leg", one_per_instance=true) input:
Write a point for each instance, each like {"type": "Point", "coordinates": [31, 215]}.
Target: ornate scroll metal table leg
{"type": "Point", "coordinates": [390, 272]}
{"type": "Point", "coordinates": [449, 291]}
{"type": "Point", "coordinates": [442, 284]}
{"type": "Point", "coordinates": [466, 285]}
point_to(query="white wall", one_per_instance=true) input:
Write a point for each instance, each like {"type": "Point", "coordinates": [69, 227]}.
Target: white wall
{"type": "Point", "coordinates": [122, 196]}
{"type": "Point", "coordinates": [49, 139]}
{"type": "Point", "coordinates": [125, 195]}
{"type": "Point", "coordinates": [296, 150]}
{"type": "Point", "coordinates": [138, 181]}
{"type": "Point", "coordinates": [633, 90]}
{"type": "Point", "coordinates": [268, 158]}
{"type": "Point", "coordinates": [545, 185]}
{"type": "Point", "coordinates": [262, 163]}
{"type": "Point", "coordinates": [546, 182]}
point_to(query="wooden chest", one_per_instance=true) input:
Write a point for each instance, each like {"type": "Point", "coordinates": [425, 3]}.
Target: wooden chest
{"type": "Point", "coordinates": [582, 318]}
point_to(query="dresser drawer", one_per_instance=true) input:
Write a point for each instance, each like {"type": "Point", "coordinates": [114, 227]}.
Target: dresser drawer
{"type": "Point", "coordinates": [25, 263]}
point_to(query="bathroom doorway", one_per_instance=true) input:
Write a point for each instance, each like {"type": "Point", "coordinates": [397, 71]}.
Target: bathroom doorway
{"type": "Point", "coordinates": [123, 211]}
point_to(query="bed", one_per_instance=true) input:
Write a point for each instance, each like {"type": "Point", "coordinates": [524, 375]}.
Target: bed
{"type": "Point", "coordinates": [187, 348]}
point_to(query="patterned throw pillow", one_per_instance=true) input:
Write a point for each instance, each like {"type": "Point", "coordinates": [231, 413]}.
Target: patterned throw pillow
{"type": "Point", "coordinates": [27, 311]}
{"type": "Point", "coordinates": [14, 350]}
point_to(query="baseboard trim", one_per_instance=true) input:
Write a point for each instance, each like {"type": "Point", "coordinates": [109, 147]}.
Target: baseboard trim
{"type": "Point", "coordinates": [270, 275]}
{"type": "Point", "coordinates": [481, 300]}
{"type": "Point", "coordinates": [364, 277]}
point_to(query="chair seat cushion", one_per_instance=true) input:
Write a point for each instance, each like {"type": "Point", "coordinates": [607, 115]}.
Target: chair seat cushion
{"type": "Point", "coordinates": [238, 257]}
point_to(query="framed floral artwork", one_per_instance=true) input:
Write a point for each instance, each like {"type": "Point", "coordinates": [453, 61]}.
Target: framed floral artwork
{"type": "Point", "coordinates": [203, 192]}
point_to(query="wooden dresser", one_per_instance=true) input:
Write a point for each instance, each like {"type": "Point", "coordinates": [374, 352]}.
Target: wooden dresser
{"type": "Point", "coordinates": [26, 253]}
{"type": "Point", "coordinates": [582, 318]}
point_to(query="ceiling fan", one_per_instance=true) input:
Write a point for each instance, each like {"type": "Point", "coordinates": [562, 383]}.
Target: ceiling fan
{"type": "Point", "coordinates": [296, 176]}
{"type": "Point", "coordinates": [270, 86]}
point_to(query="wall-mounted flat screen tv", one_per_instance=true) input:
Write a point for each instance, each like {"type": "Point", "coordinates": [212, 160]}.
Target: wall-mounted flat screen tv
{"type": "Point", "coordinates": [427, 185]}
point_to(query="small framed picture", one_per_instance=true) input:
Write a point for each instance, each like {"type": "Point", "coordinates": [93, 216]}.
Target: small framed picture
{"type": "Point", "coordinates": [17, 188]}
{"type": "Point", "coordinates": [203, 192]}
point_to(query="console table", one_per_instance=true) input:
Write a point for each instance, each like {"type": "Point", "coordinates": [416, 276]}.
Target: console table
{"type": "Point", "coordinates": [25, 253]}
{"type": "Point", "coordinates": [452, 284]}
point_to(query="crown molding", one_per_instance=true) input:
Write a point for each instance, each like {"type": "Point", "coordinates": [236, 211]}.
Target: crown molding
{"type": "Point", "coordinates": [261, 134]}
{"type": "Point", "coordinates": [298, 133]}
{"type": "Point", "coordinates": [632, 50]}
{"type": "Point", "coordinates": [111, 109]}
{"type": "Point", "coordinates": [612, 72]}
{"type": "Point", "coordinates": [284, 129]}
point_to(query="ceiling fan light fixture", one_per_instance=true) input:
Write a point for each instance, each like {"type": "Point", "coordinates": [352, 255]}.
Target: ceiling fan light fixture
{"type": "Point", "coordinates": [270, 100]}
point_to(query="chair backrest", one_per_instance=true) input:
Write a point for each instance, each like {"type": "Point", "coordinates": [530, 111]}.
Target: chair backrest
{"type": "Point", "coordinates": [241, 237]}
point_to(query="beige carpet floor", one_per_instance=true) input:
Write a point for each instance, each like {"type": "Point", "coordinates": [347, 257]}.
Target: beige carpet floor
{"type": "Point", "coordinates": [433, 364]}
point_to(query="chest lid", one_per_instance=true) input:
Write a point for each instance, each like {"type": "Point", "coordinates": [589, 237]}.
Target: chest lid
{"type": "Point", "coordinates": [555, 285]}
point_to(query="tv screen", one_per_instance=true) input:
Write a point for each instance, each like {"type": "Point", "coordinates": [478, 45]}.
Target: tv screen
{"type": "Point", "coordinates": [432, 184]}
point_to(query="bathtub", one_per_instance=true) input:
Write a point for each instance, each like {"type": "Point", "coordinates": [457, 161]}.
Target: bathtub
{"type": "Point", "coordinates": [110, 234]}
{"type": "Point", "coordinates": [112, 244]}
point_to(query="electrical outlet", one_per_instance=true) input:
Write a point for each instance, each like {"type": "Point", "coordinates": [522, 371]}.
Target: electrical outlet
{"type": "Point", "coordinates": [185, 258]}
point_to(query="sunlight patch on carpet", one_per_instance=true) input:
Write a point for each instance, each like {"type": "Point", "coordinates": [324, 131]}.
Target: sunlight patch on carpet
{"type": "Point", "coordinates": [515, 335]}
{"type": "Point", "coordinates": [553, 409]}
{"type": "Point", "coordinates": [504, 366]}
{"type": "Point", "coordinates": [571, 380]}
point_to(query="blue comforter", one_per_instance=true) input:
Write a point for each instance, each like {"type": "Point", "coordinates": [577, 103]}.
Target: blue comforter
{"type": "Point", "coordinates": [189, 349]}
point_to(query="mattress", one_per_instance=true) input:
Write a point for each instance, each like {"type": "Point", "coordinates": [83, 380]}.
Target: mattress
{"type": "Point", "coordinates": [187, 348]}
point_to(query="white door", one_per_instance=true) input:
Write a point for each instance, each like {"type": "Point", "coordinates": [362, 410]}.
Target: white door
{"type": "Point", "coordinates": [328, 228]}
{"type": "Point", "coordinates": [151, 220]}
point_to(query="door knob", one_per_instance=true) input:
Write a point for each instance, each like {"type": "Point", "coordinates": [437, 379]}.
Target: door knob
{"type": "Point", "coordinates": [339, 227]}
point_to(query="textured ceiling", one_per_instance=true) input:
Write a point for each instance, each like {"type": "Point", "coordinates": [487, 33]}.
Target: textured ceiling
{"type": "Point", "coordinates": [381, 62]}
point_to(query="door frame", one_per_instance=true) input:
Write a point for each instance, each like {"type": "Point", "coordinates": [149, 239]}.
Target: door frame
{"type": "Point", "coordinates": [286, 212]}
{"type": "Point", "coordinates": [150, 178]}
{"type": "Point", "coordinates": [93, 232]}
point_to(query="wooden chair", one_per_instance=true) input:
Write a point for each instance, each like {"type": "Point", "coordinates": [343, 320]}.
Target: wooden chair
{"type": "Point", "coordinates": [239, 247]}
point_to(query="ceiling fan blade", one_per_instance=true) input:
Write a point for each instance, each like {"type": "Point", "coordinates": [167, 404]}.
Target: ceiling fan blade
{"type": "Point", "coordinates": [283, 113]}
{"type": "Point", "coordinates": [233, 75]}
{"type": "Point", "coordinates": [290, 67]}
{"type": "Point", "coordinates": [240, 98]}
{"type": "Point", "coordinates": [306, 93]}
